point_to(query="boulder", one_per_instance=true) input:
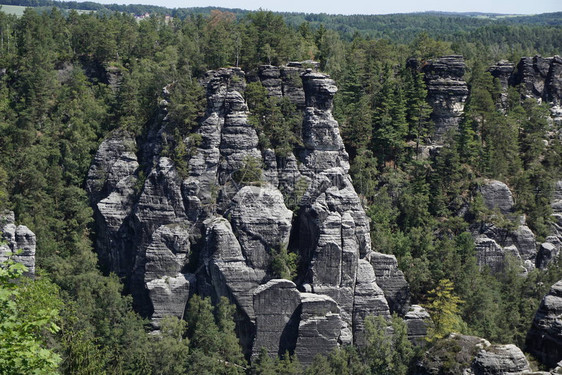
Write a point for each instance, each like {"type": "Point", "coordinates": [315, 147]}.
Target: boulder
{"type": "Point", "coordinates": [497, 195]}
{"type": "Point", "coordinates": [319, 327]}
{"type": "Point", "coordinates": [392, 282]}
{"type": "Point", "coordinates": [461, 354]}
{"type": "Point", "coordinates": [277, 317]}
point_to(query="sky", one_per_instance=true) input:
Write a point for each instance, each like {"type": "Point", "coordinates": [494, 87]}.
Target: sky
{"type": "Point", "coordinates": [366, 6]}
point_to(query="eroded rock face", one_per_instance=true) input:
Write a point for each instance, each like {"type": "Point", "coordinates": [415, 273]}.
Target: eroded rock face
{"type": "Point", "coordinates": [494, 244]}
{"type": "Point", "coordinates": [417, 320]}
{"type": "Point", "coordinates": [500, 359]}
{"type": "Point", "coordinates": [392, 282]}
{"type": "Point", "coordinates": [446, 93]}
{"type": "Point", "coordinates": [539, 77]}
{"type": "Point", "coordinates": [319, 327]}
{"type": "Point", "coordinates": [497, 196]}
{"type": "Point", "coordinates": [277, 318]}
{"type": "Point", "coordinates": [544, 339]}
{"type": "Point", "coordinates": [206, 230]}
{"type": "Point", "coordinates": [17, 241]}
{"type": "Point", "coordinates": [461, 354]}
{"type": "Point", "coordinates": [111, 185]}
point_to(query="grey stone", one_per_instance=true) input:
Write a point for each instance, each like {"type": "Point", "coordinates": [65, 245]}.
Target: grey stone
{"type": "Point", "coordinates": [497, 195]}
{"type": "Point", "coordinates": [169, 296]}
{"type": "Point", "coordinates": [447, 93]}
{"type": "Point", "coordinates": [461, 354]}
{"type": "Point", "coordinates": [547, 253]}
{"type": "Point", "coordinates": [418, 320]}
{"type": "Point", "coordinates": [500, 359]}
{"type": "Point", "coordinates": [17, 242]}
{"type": "Point", "coordinates": [319, 328]}
{"type": "Point", "coordinates": [392, 282]}
{"type": "Point", "coordinates": [544, 339]}
{"type": "Point", "coordinates": [277, 318]}
{"type": "Point", "coordinates": [261, 222]}
{"type": "Point", "coordinates": [368, 300]}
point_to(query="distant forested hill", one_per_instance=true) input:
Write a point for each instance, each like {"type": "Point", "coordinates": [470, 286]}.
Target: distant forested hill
{"type": "Point", "coordinates": [397, 27]}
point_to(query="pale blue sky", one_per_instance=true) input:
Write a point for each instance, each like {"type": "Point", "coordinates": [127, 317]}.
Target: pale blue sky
{"type": "Point", "coordinates": [366, 6]}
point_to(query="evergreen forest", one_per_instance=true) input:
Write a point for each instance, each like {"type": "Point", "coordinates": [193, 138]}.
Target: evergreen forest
{"type": "Point", "coordinates": [57, 105]}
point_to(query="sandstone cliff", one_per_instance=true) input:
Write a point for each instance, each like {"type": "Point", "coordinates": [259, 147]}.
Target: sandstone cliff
{"type": "Point", "coordinates": [211, 232]}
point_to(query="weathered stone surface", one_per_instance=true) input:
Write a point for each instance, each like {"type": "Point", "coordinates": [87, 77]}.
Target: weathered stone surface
{"type": "Point", "coordinates": [500, 359]}
{"type": "Point", "coordinates": [497, 195]}
{"type": "Point", "coordinates": [111, 185]}
{"type": "Point", "coordinates": [261, 222]}
{"type": "Point", "coordinates": [319, 328]}
{"type": "Point", "coordinates": [392, 282]}
{"type": "Point", "coordinates": [493, 244]}
{"type": "Point", "coordinates": [277, 318]}
{"type": "Point", "coordinates": [460, 354]}
{"type": "Point", "coordinates": [502, 70]}
{"type": "Point", "coordinates": [490, 254]}
{"type": "Point", "coordinates": [230, 275]}
{"type": "Point", "coordinates": [205, 210]}
{"type": "Point", "coordinates": [544, 339]}
{"type": "Point", "coordinates": [541, 78]}
{"type": "Point", "coordinates": [550, 249]}
{"type": "Point", "coordinates": [19, 242]}
{"type": "Point", "coordinates": [169, 296]}
{"type": "Point", "coordinates": [418, 320]}
{"type": "Point", "coordinates": [368, 300]}
{"type": "Point", "coordinates": [447, 93]}
{"type": "Point", "coordinates": [547, 252]}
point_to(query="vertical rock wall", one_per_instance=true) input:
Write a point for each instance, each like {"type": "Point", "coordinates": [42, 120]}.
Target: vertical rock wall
{"type": "Point", "coordinates": [208, 232]}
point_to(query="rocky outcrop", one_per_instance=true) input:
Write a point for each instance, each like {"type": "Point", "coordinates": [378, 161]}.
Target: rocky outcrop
{"type": "Point", "coordinates": [17, 242]}
{"type": "Point", "coordinates": [277, 318]}
{"type": "Point", "coordinates": [497, 196]}
{"type": "Point", "coordinates": [460, 354]}
{"type": "Point", "coordinates": [446, 93]}
{"type": "Point", "coordinates": [319, 327]}
{"type": "Point", "coordinates": [392, 282]}
{"type": "Point", "coordinates": [211, 229]}
{"type": "Point", "coordinates": [494, 244]}
{"type": "Point", "coordinates": [538, 77]}
{"type": "Point", "coordinates": [417, 320]}
{"type": "Point", "coordinates": [111, 185]}
{"type": "Point", "coordinates": [544, 339]}
{"type": "Point", "coordinates": [503, 71]}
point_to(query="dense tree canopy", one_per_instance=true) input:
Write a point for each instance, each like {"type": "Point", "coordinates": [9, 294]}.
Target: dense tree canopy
{"type": "Point", "coordinates": [67, 79]}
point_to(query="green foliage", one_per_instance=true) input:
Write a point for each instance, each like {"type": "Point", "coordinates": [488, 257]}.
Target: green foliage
{"type": "Point", "coordinates": [283, 263]}
{"type": "Point", "coordinates": [214, 347]}
{"type": "Point", "coordinates": [29, 312]}
{"type": "Point", "coordinates": [277, 121]}
{"type": "Point", "coordinates": [55, 109]}
{"type": "Point", "coordinates": [387, 348]}
{"type": "Point", "coordinates": [444, 308]}
{"type": "Point", "coordinates": [250, 172]}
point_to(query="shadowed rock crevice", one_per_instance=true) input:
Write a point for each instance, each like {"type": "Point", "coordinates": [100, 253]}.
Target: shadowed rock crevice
{"type": "Point", "coordinates": [213, 233]}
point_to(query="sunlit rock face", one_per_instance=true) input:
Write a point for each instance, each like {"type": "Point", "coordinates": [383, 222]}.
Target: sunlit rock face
{"type": "Point", "coordinates": [172, 232]}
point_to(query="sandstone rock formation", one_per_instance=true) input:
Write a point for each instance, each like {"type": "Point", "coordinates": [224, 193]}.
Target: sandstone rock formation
{"type": "Point", "coordinates": [544, 339]}
{"type": "Point", "coordinates": [539, 77]}
{"type": "Point", "coordinates": [209, 231]}
{"type": "Point", "coordinates": [17, 241]}
{"type": "Point", "coordinates": [460, 354]}
{"type": "Point", "coordinates": [446, 93]}
{"type": "Point", "coordinates": [495, 244]}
